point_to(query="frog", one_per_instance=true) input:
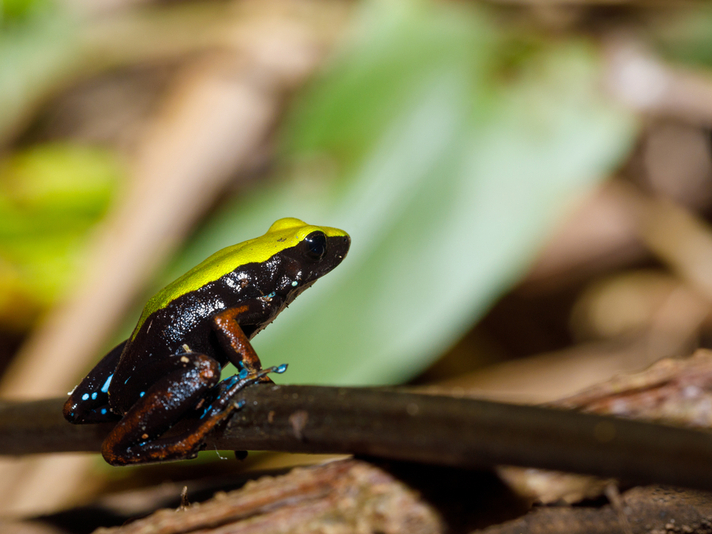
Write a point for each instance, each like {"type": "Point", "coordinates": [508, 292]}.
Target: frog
{"type": "Point", "coordinates": [169, 369]}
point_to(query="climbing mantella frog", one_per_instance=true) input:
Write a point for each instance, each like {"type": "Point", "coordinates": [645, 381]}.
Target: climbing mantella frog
{"type": "Point", "coordinates": [169, 369]}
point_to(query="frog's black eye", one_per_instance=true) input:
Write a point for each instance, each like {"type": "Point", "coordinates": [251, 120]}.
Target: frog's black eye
{"type": "Point", "coordinates": [316, 245]}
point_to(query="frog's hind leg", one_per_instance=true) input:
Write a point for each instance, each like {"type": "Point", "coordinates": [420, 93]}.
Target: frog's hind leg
{"type": "Point", "coordinates": [133, 442]}
{"type": "Point", "coordinates": [159, 408]}
{"type": "Point", "coordinates": [89, 402]}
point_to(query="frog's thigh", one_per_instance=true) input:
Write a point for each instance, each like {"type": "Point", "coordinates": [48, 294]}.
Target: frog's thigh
{"type": "Point", "coordinates": [220, 406]}
{"type": "Point", "coordinates": [89, 402]}
{"type": "Point", "coordinates": [159, 408]}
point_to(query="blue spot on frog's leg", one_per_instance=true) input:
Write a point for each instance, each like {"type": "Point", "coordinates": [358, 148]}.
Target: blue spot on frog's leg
{"type": "Point", "coordinates": [105, 387]}
{"type": "Point", "coordinates": [93, 396]}
{"type": "Point", "coordinates": [85, 397]}
{"type": "Point", "coordinates": [103, 411]}
{"type": "Point", "coordinates": [142, 394]}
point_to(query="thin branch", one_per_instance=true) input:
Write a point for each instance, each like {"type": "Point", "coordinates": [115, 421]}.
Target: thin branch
{"type": "Point", "coordinates": [397, 424]}
{"type": "Point", "coordinates": [39, 427]}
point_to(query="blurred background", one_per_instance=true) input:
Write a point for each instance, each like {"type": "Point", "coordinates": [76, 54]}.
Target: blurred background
{"type": "Point", "coordinates": [527, 185]}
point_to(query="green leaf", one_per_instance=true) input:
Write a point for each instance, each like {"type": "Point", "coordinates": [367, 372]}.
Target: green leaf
{"type": "Point", "coordinates": [51, 195]}
{"type": "Point", "coordinates": [447, 163]}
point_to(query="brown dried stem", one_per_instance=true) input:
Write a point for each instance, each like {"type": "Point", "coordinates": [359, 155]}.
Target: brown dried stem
{"type": "Point", "coordinates": [401, 425]}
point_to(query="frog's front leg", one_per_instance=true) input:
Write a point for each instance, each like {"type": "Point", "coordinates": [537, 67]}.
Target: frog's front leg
{"type": "Point", "coordinates": [236, 344]}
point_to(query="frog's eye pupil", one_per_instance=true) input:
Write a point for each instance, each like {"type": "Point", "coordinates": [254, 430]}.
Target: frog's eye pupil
{"type": "Point", "coordinates": [316, 245]}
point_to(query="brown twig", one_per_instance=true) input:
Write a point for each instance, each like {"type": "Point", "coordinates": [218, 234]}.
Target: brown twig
{"type": "Point", "coordinates": [648, 509]}
{"type": "Point", "coordinates": [398, 424]}
{"type": "Point", "coordinates": [343, 496]}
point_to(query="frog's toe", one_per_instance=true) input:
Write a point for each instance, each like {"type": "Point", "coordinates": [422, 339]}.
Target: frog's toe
{"type": "Point", "coordinates": [221, 397]}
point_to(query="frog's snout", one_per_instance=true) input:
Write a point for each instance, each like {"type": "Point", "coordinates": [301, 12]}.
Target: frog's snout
{"type": "Point", "coordinates": [341, 245]}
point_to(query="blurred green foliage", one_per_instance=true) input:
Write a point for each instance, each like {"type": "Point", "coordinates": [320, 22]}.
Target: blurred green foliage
{"type": "Point", "coordinates": [686, 35]}
{"type": "Point", "coordinates": [41, 51]}
{"type": "Point", "coordinates": [13, 11]}
{"type": "Point", "coordinates": [448, 149]}
{"type": "Point", "coordinates": [50, 197]}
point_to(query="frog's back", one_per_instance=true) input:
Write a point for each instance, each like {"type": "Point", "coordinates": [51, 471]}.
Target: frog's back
{"type": "Point", "coordinates": [283, 234]}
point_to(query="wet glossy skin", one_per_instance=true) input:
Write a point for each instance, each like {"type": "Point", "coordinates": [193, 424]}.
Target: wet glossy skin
{"type": "Point", "coordinates": [169, 369]}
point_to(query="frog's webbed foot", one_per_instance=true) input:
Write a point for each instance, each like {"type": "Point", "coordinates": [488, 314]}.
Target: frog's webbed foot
{"type": "Point", "coordinates": [220, 403]}
{"type": "Point", "coordinates": [137, 437]}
